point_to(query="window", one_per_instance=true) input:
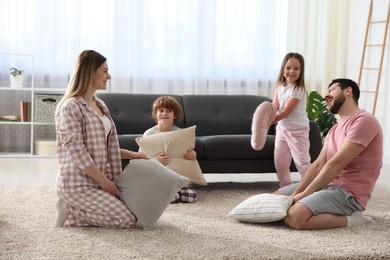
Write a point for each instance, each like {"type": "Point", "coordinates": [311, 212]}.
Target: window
{"type": "Point", "coordinates": [185, 39]}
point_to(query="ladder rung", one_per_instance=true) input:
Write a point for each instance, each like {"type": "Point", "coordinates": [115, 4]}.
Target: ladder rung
{"type": "Point", "coordinates": [374, 45]}
{"type": "Point", "coordinates": [370, 68]}
{"type": "Point", "coordinates": [378, 21]}
{"type": "Point", "coordinates": [368, 91]}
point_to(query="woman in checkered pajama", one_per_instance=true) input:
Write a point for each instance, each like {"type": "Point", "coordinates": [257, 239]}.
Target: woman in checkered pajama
{"type": "Point", "coordinates": [88, 152]}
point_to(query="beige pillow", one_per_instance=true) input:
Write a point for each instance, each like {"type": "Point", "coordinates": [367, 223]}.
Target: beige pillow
{"type": "Point", "coordinates": [175, 144]}
{"type": "Point", "coordinates": [147, 188]}
{"type": "Point", "coordinates": [262, 208]}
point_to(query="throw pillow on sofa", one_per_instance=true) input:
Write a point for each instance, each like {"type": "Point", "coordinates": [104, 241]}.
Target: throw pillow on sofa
{"type": "Point", "coordinates": [262, 208]}
{"type": "Point", "coordinates": [147, 187]}
{"type": "Point", "coordinates": [174, 144]}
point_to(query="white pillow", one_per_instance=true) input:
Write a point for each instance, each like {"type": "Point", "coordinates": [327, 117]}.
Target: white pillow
{"type": "Point", "coordinates": [262, 208]}
{"type": "Point", "coordinates": [147, 188]}
{"type": "Point", "coordinates": [174, 144]}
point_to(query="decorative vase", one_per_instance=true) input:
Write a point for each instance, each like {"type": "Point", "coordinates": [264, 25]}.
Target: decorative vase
{"type": "Point", "coordinates": [16, 81]}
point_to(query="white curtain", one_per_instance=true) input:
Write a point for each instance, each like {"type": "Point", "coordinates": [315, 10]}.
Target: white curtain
{"type": "Point", "coordinates": [177, 46]}
{"type": "Point", "coordinates": [319, 31]}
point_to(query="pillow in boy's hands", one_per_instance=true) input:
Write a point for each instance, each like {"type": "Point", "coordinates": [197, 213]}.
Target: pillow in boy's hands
{"type": "Point", "coordinates": [175, 145]}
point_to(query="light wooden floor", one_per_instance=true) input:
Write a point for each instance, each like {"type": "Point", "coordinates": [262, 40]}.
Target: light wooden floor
{"type": "Point", "coordinates": [43, 171]}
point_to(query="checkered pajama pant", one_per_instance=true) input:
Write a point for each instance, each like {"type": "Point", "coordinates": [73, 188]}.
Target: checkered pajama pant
{"type": "Point", "coordinates": [95, 207]}
{"type": "Point", "coordinates": [187, 195]}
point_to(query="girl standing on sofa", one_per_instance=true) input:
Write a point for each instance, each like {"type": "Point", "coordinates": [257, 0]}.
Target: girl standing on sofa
{"type": "Point", "coordinates": [166, 111]}
{"type": "Point", "coordinates": [88, 152]}
{"type": "Point", "coordinates": [292, 130]}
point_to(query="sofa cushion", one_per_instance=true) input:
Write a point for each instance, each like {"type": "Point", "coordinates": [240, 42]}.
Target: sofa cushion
{"type": "Point", "coordinates": [127, 141]}
{"type": "Point", "coordinates": [237, 166]}
{"type": "Point", "coordinates": [235, 147]}
{"type": "Point", "coordinates": [132, 113]}
{"type": "Point", "coordinates": [221, 114]}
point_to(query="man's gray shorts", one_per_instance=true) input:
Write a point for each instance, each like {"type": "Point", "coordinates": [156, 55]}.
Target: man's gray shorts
{"type": "Point", "coordinates": [331, 199]}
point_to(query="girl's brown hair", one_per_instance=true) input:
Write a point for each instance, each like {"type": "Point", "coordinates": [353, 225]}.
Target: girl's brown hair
{"type": "Point", "coordinates": [168, 103]}
{"type": "Point", "coordinates": [281, 80]}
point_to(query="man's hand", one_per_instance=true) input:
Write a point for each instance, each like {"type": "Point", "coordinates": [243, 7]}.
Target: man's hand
{"type": "Point", "coordinates": [299, 196]}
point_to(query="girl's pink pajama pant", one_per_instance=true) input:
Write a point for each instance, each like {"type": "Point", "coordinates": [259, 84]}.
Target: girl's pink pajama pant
{"type": "Point", "coordinates": [291, 144]}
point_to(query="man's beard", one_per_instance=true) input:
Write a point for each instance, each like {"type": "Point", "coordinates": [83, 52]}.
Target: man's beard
{"type": "Point", "coordinates": [337, 103]}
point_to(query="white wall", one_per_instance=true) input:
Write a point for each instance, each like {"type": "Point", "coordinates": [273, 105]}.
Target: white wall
{"type": "Point", "coordinates": [358, 15]}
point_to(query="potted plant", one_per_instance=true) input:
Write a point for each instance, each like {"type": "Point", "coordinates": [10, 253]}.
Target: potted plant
{"type": "Point", "coordinates": [318, 112]}
{"type": "Point", "coordinates": [16, 78]}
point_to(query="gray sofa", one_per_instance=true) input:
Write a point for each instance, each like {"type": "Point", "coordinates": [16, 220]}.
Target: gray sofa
{"type": "Point", "coordinates": [223, 129]}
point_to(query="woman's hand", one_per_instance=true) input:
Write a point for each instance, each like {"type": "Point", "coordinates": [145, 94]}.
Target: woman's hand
{"type": "Point", "coordinates": [127, 154]}
{"type": "Point", "coordinates": [111, 188]}
{"type": "Point", "coordinates": [136, 155]}
{"type": "Point", "coordinates": [162, 158]}
{"type": "Point", "coordinates": [105, 183]}
{"type": "Point", "coordinates": [190, 155]}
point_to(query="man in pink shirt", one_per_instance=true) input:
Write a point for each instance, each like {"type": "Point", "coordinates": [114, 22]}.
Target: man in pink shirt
{"type": "Point", "coordinates": [337, 186]}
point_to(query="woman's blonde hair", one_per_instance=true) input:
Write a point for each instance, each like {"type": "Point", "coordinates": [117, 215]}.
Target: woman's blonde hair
{"type": "Point", "coordinates": [168, 103]}
{"type": "Point", "coordinates": [281, 80]}
{"type": "Point", "coordinates": [86, 65]}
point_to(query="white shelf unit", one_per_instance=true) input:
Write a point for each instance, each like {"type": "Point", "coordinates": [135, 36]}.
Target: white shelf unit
{"type": "Point", "coordinates": [18, 139]}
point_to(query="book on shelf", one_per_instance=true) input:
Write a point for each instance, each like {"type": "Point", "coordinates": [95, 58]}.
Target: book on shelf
{"type": "Point", "coordinates": [29, 112]}
{"type": "Point", "coordinates": [25, 111]}
{"type": "Point", "coordinates": [10, 117]}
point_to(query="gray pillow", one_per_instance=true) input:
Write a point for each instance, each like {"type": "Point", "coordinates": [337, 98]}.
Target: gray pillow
{"type": "Point", "coordinates": [147, 188]}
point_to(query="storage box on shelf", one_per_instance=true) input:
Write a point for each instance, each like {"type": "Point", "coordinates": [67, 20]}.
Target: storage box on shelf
{"type": "Point", "coordinates": [21, 136]}
{"type": "Point", "coordinates": [45, 148]}
{"type": "Point", "coordinates": [44, 107]}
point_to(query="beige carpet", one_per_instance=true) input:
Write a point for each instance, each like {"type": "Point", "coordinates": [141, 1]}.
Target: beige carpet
{"type": "Point", "coordinates": [185, 231]}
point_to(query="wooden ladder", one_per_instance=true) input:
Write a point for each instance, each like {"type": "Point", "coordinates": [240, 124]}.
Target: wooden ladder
{"type": "Point", "coordinates": [366, 69]}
